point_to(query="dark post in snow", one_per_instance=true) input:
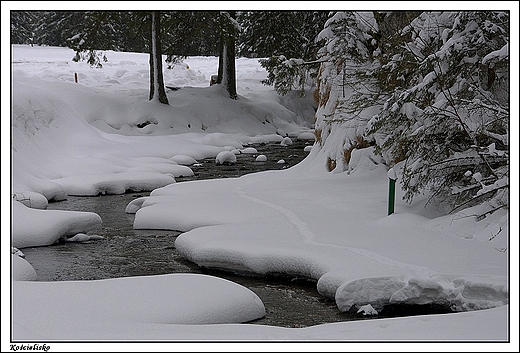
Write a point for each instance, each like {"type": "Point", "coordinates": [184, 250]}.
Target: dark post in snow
{"type": "Point", "coordinates": [391, 190]}
{"type": "Point", "coordinates": [157, 90]}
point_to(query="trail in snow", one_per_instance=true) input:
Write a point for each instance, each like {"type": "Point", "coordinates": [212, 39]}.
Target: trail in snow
{"type": "Point", "coordinates": [301, 227]}
{"type": "Point", "coordinates": [309, 237]}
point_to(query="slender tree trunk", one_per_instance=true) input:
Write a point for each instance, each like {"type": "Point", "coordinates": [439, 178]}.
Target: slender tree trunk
{"type": "Point", "coordinates": [229, 67]}
{"type": "Point", "coordinates": [220, 60]}
{"type": "Point", "coordinates": [157, 91]}
{"type": "Point", "coordinates": [226, 70]}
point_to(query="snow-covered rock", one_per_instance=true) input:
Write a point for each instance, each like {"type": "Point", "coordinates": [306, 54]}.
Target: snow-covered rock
{"type": "Point", "coordinates": [82, 237]}
{"type": "Point", "coordinates": [286, 141]}
{"type": "Point", "coordinates": [135, 205]}
{"type": "Point", "coordinates": [226, 157]}
{"type": "Point", "coordinates": [367, 310]}
{"type": "Point", "coordinates": [249, 150]}
{"type": "Point", "coordinates": [307, 135]}
{"type": "Point", "coordinates": [183, 159]}
{"type": "Point", "coordinates": [261, 158]}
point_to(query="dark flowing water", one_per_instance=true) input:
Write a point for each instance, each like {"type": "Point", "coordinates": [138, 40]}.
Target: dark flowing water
{"type": "Point", "coordinates": [289, 302]}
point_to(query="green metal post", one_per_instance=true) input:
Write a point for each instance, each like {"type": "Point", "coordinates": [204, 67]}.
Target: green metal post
{"type": "Point", "coordinates": [392, 176]}
{"type": "Point", "coordinates": [391, 195]}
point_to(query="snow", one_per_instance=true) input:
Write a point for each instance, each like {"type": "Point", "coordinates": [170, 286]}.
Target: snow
{"type": "Point", "coordinates": [102, 135]}
{"type": "Point", "coordinates": [226, 157]}
{"type": "Point", "coordinates": [117, 183]}
{"type": "Point", "coordinates": [35, 227]}
{"type": "Point", "coordinates": [367, 310]}
{"type": "Point", "coordinates": [249, 150]}
{"type": "Point", "coordinates": [22, 270]}
{"type": "Point", "coordinates": [261, 158]}
{"type": "Point", "coordinates": [500, 54]}
{"type": "Point", "coordinates": [128, 303]}
{"type": "Point", "coordinates": [286, 141]}
{"type": "Point", "coordinates": [184, 160]}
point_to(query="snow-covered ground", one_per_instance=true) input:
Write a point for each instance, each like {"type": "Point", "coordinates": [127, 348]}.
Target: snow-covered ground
{"type": "Point", "coordinates": [102, 135]}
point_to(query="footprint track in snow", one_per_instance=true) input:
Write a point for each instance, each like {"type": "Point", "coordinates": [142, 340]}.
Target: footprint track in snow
{"type": "Point", "coordinates": [308, 237]}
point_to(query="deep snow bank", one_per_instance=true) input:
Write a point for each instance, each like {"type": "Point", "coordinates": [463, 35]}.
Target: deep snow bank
{"type": "Point", "coordinates": [77, 138]}
{"type": "Point", "coordinates": [34, 227]}
{"type": "Point", "coordinates": [334, 228]}
{"type": "Point", "coordinates": [163, 300]}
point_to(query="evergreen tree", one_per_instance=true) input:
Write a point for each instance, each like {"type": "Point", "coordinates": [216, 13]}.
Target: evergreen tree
{"type": "Point", "coordinates": [95, 31]}
{"type": "Point", "coordinates": [449, 118]}
{"type": "Point", "coordinates": [89, 33]}
{"type": "Point", "coordinates": [190, 33]}
{"type": "Point", "coordinates": [38, 27]}
{"type": "Point", "coordinates": [23, 27]}
{"type": "Point", "coordinates": [274, 33]}
{"type": "Point", "coordinates": [286, 42]}
{"type": "Point", "coordinates": [430, 91]}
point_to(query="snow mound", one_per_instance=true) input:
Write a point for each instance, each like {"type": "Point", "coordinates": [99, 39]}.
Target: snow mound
{"type": "Point", "coordinates": [171, 299]}
{"type": "Point", "coordinates": [82, 237]}
{"type": "Point", "coordinates": [261, 158]}
{"type": "Point", "coordinates": [135, 205]}
{"type": "Point", "coordinates": [47, 226]}
{"type": "Point", "coordinates": [249, 150]}
{"type": "Point", "coordinates": [31, 199]}
{"type": "Point", "coordinates": [184, 159]}
{"type": "Point", "coordinates": [22, 270]}
{"type": "Point", "coordinates": [367, 310]}
{"type": "Point", "coordinates": [307, 135]}
{"type": "Point", "coordinates": [226, 157]}
{"type": "Point", "coordinates": [458, 293]}
{"type": "Point", "coordinates": [286, 141]}
{"type": "Point", "coordinates": [118, 183]}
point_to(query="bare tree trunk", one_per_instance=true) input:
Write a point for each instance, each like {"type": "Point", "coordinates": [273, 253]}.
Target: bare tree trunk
{"type": "Point", "coordinates": [220, 60]}
{"type": "Point", "coordinates": [226, 70]}
{"type": "Point", "coordinates": [229, 78]}
{"type": "Point", "coordinates": [157, 91]}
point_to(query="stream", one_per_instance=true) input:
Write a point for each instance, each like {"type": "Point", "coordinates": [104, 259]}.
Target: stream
{"type": "Point", "coordinates": [124, 251]}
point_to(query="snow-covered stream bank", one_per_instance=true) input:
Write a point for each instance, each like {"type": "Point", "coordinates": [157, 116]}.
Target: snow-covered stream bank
{"type": "Point", "coordinates": [125, 252]}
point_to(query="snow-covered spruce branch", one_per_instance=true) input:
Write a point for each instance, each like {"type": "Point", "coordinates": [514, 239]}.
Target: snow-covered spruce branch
{"type": "Point", "coordinates": [462, 190]}
{"type": "Point", "coordinates": [468, 161]}
{"type": "Point", "coordinates": [496, 108]}
{"type": "Point", "coordinates": [300, 62]}
{"type": "Point", "coordinates": [482, 196]}
{"type": "Point", "coordinates": [451, 100]}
